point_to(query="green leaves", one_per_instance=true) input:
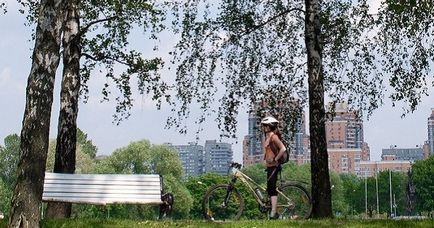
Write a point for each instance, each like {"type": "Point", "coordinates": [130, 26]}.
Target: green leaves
{"type": "Point", "coordinates": [141, 157]}
{"type": "Point", "coordinates": [423, 171]}
{"type": "Point", "coordinates": [405, 38]}
{"type": "Point", "coordinates": [240, 48]}
{"type": "Point", "coordinates": [9, 157]}
{"type": "Point", "coordinates": [106, 34]}
{"type": "Point", "coordinates": [86, 144]}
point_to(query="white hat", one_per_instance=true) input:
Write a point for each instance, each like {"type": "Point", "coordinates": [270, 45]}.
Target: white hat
{"type": "Point", "coordinates": [269, 120]}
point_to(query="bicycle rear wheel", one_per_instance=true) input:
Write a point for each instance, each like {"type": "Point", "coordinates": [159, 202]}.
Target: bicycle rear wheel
{"type": "Point", "coordinates": [299, 204]}
{"type": "Point", "coordinates": [216, 208]}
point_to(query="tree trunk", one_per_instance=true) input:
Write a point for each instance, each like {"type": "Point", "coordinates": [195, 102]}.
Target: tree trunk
{"type": "Point", "coordinates": [65, 157]}
{"type": "Point", "coordinates": [26, 199]}
{"type": "Point", "coordinates": [321, 192]}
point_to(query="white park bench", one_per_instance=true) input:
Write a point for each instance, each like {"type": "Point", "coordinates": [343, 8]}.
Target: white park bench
{"type": "Point", "coordinates": [105, 189]}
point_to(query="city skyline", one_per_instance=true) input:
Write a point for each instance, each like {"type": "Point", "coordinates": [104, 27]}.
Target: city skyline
{"type": "Point", "coordinates": [384, 128]}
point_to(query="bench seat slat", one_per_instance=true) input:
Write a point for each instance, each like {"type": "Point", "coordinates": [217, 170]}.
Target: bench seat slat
{"type": "Point", "coordinates": [105, 191]}
{"type": "Point", "coordinates": [102, 189]}
{"type": "Point", "coordinates": [102, 182]}
{"type": "Point", "coordinates": [117, 177]}
{"type": "Point", "coordinates": [103, 196]}
{"type": "Point", "coordinates": [99, 201]}
{"type": "Point", "coordinates": [98, 189]}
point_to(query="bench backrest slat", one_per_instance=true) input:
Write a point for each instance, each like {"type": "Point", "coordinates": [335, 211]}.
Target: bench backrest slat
{"type": "Point", "coordinates": [103, 188]}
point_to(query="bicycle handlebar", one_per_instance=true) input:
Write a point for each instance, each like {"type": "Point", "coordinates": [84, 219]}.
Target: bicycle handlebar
{"type": "Point", "coordinates": [235, 165]}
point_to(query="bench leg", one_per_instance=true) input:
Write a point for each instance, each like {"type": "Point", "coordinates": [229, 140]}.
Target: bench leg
{"type": "Point", "coordinates": [167, 207]}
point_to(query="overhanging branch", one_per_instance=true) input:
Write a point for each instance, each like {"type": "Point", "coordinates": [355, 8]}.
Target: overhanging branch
{"type": "Point", "coordinates": [84, 30]}
{"type": "Point", "coordinates": [270, 20]}
{"type": "Point", "coordinates": [103, 57]}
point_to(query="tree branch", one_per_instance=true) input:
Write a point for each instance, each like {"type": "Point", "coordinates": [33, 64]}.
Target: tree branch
{"type": "Point", "coordinates": [270, 20]}
{"type": "Point", "coordinates": [102, 57]}
{"type": "Point", "coordinates": [84, 30]}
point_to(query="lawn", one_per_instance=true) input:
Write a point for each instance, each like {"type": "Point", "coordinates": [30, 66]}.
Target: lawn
{"type": "Point", "coordinates": [77, 223]}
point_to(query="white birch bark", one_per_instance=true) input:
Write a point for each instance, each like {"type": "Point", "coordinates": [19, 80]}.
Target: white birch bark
{"type": "Point", "coordinates": [26, 200]}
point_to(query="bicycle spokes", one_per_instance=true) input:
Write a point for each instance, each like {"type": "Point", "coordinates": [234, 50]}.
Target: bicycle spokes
{"type": "Point", "coordinates": [294, 202]}
{"type": "Point", "coordinates": [221, 204]}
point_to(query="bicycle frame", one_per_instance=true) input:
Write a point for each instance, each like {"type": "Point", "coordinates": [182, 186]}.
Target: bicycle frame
{"type": "Point", "coordinates": [246, 180]}
{"type": "Point", "coordinates": [293, 200]}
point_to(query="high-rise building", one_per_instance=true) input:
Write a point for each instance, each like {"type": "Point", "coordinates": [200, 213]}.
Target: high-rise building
{"type": "Point", "coordinates": [217, 157]}
{"type": "Point", "coordinates": [345, 130]}
{"type": "Point", "coordinates": [252, 144]}
{"type": "Point", "coordinates": [344, 160]}
{"type": "Point", "coordinates": [366, 152]}
{"type": "Point", "coordinates": [191, 157]}
{"type": "Point", "coordinates": [426, 150]}
{"type": "Point", "coordinates": [345, 145]}
{"type": "Point", "coordinates": [431, 132]}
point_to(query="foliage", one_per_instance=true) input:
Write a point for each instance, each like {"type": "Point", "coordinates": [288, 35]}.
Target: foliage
{"type": "Point", "coordinates": [86, 144]}
{"type": "Point", "coordinates": [197, 186]}
{"type": "Point", "coordinates": [105, 37]}
{"type": "Point", "coordinates": [141, 157]}
{"type": "Point", "coordinates": [9, 157]}
{"type": "Point", "coordinates": [399, 184]}
{"type": "Point", "coordinates": [423, 173]}
{"type": "Point", "coordinates": [183, 200]}
{"type": "Point", "coordinates": [301, 173]}
{"type": "Point", "coordinates": [350, 184]}
{"type": "Point", "coordinates": [256, 172]}
{"type": "Point", "coordinates": [103, 166]}
{"type": "Point", "coordinates": [405, 34]}
{"type": "Point", "coordinates": [354, 193]}
{"type": "Point", "coordinates": [84, 163]}
{"type": "Point", "coordinates": [255, 49]}
{"type": "Point", "coordinates": [5, 197]}
{"type": "Point", "coordinates": [132, 158]}
{"type": "Point", "coordinates": [105, 43]}
{"type": "Point", "coordinates": [338, 200]}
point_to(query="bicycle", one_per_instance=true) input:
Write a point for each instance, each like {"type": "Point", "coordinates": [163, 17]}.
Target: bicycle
{"type": "Point", "coordinates": [224, 202]}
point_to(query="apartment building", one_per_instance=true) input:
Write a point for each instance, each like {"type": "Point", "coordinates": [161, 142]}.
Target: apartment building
{"type": "Point", "coordinates": [403, 154]}
{"type": "Point", "coordinates": [370, 168]}
{"type": "Point", "coordinates": [345, 130]}
{"type": "Point", "coordinates": [192, 158]}
{"type": "Point", "coordinates": [218, 155]}
{"type": "Point", "coordinates": [252, 143]}
{"type": "Point", "coordinates": [431, 132]}
{"type": "Point", "coordinates": [345, 160]}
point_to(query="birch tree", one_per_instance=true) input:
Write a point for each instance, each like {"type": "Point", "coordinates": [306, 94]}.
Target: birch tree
{"type": "Point", "coordinates": [253, 48]}
{"type": "Point", "coordinates": [103, 41]}
{"type": "Point", "coordinates": [27, 195]}
{"type": "Point", "coordinates": [293, 50]}
{"type": "Point", "coordinates": [65, 156]}
{"type": "Point", "coordinates": [112, 21]}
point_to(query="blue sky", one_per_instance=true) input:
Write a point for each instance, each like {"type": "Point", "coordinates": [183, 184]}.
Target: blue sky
{"type": "Point", "coordinates": [384, 128]}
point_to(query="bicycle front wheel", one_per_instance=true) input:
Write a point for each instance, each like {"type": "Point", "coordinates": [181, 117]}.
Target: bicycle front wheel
{"type": "Point", "coordinates": [222, 203]}
{"type": "Point", "coordinates": [294, 202]}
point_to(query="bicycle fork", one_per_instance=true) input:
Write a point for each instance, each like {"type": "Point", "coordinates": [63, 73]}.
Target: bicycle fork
{"type": "Point", "coordinates": [228, 192]}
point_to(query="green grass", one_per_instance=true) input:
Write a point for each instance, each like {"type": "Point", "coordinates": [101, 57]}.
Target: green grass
{"type": "Point", "coordinates": [85, 223]}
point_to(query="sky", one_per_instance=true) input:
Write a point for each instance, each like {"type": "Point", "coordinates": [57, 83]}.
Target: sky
{"type": "Point", "coordinates": [383, 129]}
